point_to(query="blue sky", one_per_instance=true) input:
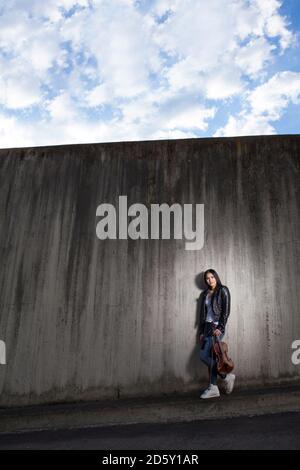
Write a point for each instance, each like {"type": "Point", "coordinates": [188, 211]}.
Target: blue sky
{"type": "Point", "coordinates": [99, 71]}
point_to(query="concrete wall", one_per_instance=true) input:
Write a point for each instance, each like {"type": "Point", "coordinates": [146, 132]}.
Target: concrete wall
{"type": "Point", "coordinates": [84, 318]}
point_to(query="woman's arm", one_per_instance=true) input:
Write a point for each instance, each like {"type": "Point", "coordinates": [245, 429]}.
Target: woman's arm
{"type": "Point", "coordinates": [225, 296]}
{"type": "Point", "coordinates": [202, 315]}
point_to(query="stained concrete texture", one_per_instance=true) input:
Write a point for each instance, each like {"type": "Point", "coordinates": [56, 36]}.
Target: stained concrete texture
{"type": "Point", "coordinates": [85, 319]}
{"type": "Point", "coordinates": [279, 431]}
{"type": "Point", "coordinates": [169, 409]}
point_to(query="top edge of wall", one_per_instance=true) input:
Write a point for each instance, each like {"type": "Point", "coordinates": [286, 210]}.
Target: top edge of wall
{"type": "Point", "coordinates": [161, 141]}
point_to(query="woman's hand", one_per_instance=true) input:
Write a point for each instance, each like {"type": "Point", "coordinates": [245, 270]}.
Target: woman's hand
{"type": "Point", "coordinates": [201, 338]}
{"type": "Point", "coordinates": [217, 332]}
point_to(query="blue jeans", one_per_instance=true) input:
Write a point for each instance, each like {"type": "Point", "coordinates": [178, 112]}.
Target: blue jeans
{"type": "Point", "coordinates": [205, 355]}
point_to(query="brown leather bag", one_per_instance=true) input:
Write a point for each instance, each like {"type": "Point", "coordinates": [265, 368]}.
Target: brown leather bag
{"type": "Point", "coordinates": [220, 352]}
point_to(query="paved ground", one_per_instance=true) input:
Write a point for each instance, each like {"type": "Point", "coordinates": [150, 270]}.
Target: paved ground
{"type": "Point", "coordinates": [277, 431]}
{"type": "Point", "coordinates": [268, 418]}
{"type": "Point", "coordinates": [151, 410]}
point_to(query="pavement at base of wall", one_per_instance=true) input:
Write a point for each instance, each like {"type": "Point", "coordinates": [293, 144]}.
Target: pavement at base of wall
{"type": "Point", "coordinates": [173, 408]}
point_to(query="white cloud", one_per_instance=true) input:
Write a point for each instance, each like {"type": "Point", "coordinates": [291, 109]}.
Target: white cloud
{"type": "Point", "coordinates": [155, 75]}
{"type": "Point", "coordinates": [99, 95]}
{"type": "Point", "coordinates": [173, 134]}
{"type": "Point", "coordinates": [252, 57]}
{"type": "Point", "coordinates": [198, 30]}
{"type": "Point", "coordinates": [265, 104]}
{"type": "Point", "coordinates": [274, 96]}
{"type": "Point", "coordinates": [259, 18]}
{"type": "Point", "coordinates": [14, 133]}
{"type": "Point", "coordinates": [223, 83]}
{"type": "Point", "coordinates": [18, 92]}
{"type": "Point", "coordinates": [183, 74]}
{"type": "Point", "coordinates": [204, 38]}
{"type": "Point", "coordinates": [245, 124]}
{"type": "Point", "coordinates": [120, 41]}
{"type": "Point", "coordinates": [63, 108]}
{"type": "Point", "coordinates": [193, 117]}
{"type": "Point", "coordinates": [276, 26]}
{"type": "Point", "coordinates": [163, 112]}
{"type": "Point", "coordinates": [41, 55]}
{"type": "Point", "coordinates": [142, 108]}
{"type": "Point", "coordinates": [51, 9]}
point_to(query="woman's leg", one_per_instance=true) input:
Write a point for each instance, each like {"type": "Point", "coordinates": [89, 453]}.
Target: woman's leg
{"type": "Point", "coordinates": [206, 357]}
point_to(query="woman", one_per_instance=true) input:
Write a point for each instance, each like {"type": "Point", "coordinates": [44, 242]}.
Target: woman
{"type": "Point", "coordinates": [214, 313]}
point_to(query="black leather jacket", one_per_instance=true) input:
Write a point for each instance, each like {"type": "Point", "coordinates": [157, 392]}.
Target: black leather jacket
{"type": "Point", "coordinates": [220, 306]}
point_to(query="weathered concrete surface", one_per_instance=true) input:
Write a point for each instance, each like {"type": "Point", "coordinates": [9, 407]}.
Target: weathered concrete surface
{"type": "Point", "coordinates": [169, 409]}
{"type": "Point", "coordinates": [86, 319]}
{"type": "Point", "coordinates": [280, 431]}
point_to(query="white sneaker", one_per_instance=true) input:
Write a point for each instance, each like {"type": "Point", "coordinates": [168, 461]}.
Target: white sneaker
{"type": "Point", "coordinates": [211, 392]}
{"type": "Point", "coordinates": [228, 383]}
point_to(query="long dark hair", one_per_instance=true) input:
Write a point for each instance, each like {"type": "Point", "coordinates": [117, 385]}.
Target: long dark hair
{"type": "Point", "coordinates": [215, 274]}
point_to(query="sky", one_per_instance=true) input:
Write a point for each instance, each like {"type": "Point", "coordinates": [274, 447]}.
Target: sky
{"type": "Point", "coordinates": [123, 70]}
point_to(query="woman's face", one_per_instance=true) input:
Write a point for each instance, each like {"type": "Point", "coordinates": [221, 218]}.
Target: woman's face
{"type": "Point", "coordinates": [211, 280]}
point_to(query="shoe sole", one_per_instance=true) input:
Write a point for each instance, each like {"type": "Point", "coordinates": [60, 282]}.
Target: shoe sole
{"type": "Point", "coordinates": [211, 396]}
